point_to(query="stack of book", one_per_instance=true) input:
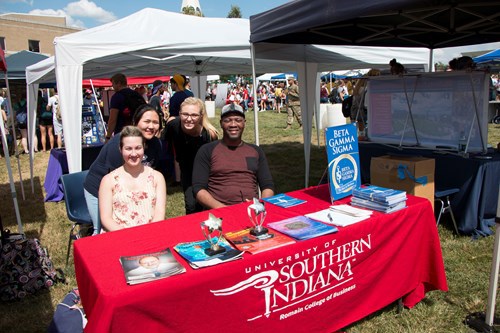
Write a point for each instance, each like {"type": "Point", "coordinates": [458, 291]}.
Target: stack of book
{"type": "Point", "coordinates": [378, 198]}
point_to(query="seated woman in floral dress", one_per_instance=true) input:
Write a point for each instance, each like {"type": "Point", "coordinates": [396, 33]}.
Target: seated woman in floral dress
{"type": "Point", "coordinates": [133, 194]}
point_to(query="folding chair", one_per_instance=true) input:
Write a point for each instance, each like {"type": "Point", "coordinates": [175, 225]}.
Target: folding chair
{"type": "Point", "coordinates": [76, 207]}
{"type": "Point", "coordinates": [443, 197]}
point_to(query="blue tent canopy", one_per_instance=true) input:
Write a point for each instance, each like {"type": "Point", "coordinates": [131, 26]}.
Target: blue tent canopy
{"type": "Point", "coordinates": [332, 76]}
{"type": "Point", "coordinates": [16, 66]}
{"type": "Point", "coordinates": [492, 57]}
{"type": "Point", "coordinates": [17, 63]}
{"type": "Point", "coordinates": [283, 76]}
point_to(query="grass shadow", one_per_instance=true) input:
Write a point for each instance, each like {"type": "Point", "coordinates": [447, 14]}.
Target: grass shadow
{"type": "Point", "coordinates": [31, 208]}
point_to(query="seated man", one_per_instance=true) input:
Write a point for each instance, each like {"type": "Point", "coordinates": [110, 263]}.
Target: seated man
{"type": "Point", "coordinates": [230, 171]}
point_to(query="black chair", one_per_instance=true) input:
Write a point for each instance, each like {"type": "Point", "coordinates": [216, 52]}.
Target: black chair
{"type": "Point", "coordinates": [443, 197]}
{"type": "Point", "coordinates": [76, 207]}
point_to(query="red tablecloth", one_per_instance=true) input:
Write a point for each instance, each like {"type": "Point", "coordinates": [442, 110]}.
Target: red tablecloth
{"type": "Point", "coordinates": [318, 285]}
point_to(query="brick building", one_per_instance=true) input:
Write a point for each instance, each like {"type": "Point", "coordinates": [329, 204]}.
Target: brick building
{"type": "Point", "coordinates": [34, 33]}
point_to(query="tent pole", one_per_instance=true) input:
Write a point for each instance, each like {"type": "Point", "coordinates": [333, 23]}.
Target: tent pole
{"type": "Point", "coordinates": [410, 112]}
{"type": "Point", "coordinates": [485, 322]}
{"type": "Point", "coordinates": [14, 136]}
{"type": "Point", "coordinates": [475, 117]}
{"type": "Point", "coordinates": [98, 107]}
{"type": "Point", "coordinates": [31, 95]}
{"type": "Point", "coordinates": [254, 81]}
{"type": "Point", "coordinates": [11, 178]}
{"type": "Point", "coordinates": [431, 61]}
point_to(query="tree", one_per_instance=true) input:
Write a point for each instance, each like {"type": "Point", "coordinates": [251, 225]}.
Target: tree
{"type": "Point", "coordinates": [190, 10]}
{"type": "Point", "coordinates": [235, 12]}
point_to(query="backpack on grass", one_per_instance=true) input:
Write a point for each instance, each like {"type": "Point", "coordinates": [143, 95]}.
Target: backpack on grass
{"type": "Point", "coordinates": [25, 267]}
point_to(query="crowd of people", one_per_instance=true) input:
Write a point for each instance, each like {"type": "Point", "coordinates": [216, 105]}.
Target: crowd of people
{"type": "Point", "coordinates": [126, 186]}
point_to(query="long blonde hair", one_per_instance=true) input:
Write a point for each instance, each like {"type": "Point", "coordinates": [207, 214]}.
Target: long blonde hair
{"type": "Point", "coordinates": [361, 83]}
{"type": "Point", "coordinates": [205, 122]}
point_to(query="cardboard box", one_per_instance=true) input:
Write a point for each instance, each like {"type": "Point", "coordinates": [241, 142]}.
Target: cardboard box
{"type": "Point", "coordinates": [413, 174]}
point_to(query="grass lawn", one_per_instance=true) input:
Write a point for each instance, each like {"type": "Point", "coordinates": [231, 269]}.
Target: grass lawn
{"type": "Point", "coordinates": [467, 262]}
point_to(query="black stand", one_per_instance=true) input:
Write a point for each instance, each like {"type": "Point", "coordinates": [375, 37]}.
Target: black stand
{"type": "Point", "coordinates": [213, 251]}
{"type": "Point", "coordinates": [481, 322]}
{"type": "Point", "coordinates": [259, 232]}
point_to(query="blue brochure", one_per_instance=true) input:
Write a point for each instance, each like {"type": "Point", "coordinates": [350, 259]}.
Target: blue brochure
{"type": "Point", "coordinates": [301, 227]}
{"type": "Point", "coordinates": [283, 200]}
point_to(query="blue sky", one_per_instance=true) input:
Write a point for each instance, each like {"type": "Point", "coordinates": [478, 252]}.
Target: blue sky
{"type": "Point", "coordinates": [91, 13]}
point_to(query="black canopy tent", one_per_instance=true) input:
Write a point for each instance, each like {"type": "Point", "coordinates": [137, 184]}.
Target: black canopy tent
{"type": "Point", "coordinates": [407, 23]}
{"type": "Point", "coordinates": [385, 23]}
{"type": "Point", "coordinates": [404, 23]}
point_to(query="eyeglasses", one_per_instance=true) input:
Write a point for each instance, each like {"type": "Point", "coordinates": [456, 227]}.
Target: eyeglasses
{"type": "Point", "coordinates": [193, 116]}
{"type": "Point", "coordinates": [237, 120]}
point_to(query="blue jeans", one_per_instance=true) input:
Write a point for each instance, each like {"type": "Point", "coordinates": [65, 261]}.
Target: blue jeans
{"type": "Point", "coordinates": [93, 207]}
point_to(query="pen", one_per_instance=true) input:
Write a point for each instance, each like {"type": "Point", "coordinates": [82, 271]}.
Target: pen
{"type": "Point", "coordinates": [330, 218]}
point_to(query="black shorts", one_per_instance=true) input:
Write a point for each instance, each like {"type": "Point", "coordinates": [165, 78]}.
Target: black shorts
{"type": "Point", "coordinates": [45, 121]}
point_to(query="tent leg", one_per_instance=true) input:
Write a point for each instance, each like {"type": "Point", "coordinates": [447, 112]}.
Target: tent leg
{"type": "Point", "coordinates": [479, 321]}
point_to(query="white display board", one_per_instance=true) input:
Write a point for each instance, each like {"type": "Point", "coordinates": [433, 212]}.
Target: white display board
{"type": "Point", "coordinates": [430, 110]}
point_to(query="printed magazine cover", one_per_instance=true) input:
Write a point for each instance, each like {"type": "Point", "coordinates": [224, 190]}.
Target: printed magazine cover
{"type": "Point", "coordinates": [245, 241]}
{"type": "Point", "coordinates": [344, 170]}
{"type": "Point", "coordinates": [301, 227]}
{"type": "Point", "coordinates": [150, 266]}
{"type": "Point", "coordinates": [194, 253]}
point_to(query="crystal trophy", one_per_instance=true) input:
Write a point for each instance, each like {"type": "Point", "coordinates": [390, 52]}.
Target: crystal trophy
{"type": "Point", "coordinates": [212, 230]}
{"type": "Point", "coordinates": [257, 215]}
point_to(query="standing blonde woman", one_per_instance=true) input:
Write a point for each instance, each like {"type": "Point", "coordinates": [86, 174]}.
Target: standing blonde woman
{"type": "Point", "coordinates": [187, 133]}
{"type": "Point", "coordinates": [133, 194]}
{"type": "Point", "coordinates": [359, 101]}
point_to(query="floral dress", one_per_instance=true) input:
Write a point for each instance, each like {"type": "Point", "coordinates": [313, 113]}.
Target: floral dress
{"type": "Point", "coordinates": [132, 208]}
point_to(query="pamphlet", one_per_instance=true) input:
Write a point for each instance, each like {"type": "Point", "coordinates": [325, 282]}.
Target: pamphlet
{"type": "Point", "coordinates": [301, 227]}
{"type": "Point", "coordinates": [245, 241]}
{"type": "Point", "coordinates": [150, 266]}
{"type": "Point", "coordinates": [194, 253]}
{"type": "Point", "coordinates": [284, 200]}
{"type": "Point", "coordinates": [336, 218]}
{"type": "Point", "coordinates": [350, 210]}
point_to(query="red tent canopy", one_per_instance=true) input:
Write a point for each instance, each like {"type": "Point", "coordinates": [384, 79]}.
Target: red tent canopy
{"type": "Point", "coordinates": [3, 64]}
{"type": "Point", "coordinates": [130, 81]}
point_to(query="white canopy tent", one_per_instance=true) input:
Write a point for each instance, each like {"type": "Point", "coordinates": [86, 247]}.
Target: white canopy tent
{"type": "Point", "coordinates": [136, 48]}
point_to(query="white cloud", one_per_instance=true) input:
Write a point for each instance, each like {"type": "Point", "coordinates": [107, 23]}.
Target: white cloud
{"type": "Point", "coordinates": [70, 21]}
{"type": "Point", "coordinates": [28, 2]}
{"type": "Point", "coordinates": [81, 9]}
{"type": "Point", "coordinates": [446, 54]}
{"type": "Point", "coordinates": [88, 9]}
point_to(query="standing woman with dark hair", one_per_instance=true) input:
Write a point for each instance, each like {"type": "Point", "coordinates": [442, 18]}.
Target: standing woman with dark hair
{"type": "Point", "coordinates": [45, 122]}
{"type": "Point", "coordinates": [148, 121]}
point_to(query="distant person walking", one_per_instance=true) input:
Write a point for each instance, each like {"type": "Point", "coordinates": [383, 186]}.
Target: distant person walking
{"type": "Point", "coordinates": [53, 105]}
{"type": "Point", "coordinates": [293, 103]}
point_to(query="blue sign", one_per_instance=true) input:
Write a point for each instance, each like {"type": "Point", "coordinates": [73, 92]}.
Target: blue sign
{"type": "Point", "coordinates": [343, 160]}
